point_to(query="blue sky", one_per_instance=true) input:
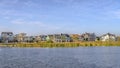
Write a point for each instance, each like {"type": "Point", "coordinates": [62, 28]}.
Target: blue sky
{"type": "Point", "coordinates": [60, 16]}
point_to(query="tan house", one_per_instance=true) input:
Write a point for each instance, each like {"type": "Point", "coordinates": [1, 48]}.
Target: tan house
{"type": "Point", "coordinates": [20, 37]}
{"type": "Point", "coordinates": [75, 37]}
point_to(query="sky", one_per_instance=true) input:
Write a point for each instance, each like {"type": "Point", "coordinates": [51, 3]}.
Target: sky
{"type": "Point", "coordinates": [60, 16]}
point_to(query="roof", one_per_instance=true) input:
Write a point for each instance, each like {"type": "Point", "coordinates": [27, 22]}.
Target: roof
{"type": "Point", "coordinates": [108, 34]}
{"type": "Point", "coordinates": [7, 33]}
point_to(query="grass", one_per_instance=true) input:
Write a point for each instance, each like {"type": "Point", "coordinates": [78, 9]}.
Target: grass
{"type": "Point", "coordinates": [62, 44]}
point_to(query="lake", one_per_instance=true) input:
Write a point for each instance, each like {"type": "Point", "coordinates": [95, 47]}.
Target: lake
{"type": "Point", "coordinates": [81, 57]}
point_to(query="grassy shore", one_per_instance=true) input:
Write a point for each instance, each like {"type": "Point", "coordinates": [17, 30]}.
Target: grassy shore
{"type": "Point", "coordinates": [62, 44]}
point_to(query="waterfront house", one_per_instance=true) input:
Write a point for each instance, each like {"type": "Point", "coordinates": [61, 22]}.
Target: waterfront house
{"type": "Point", "coordinates": [65, 38]}
{"type": "Point", "coordinates": [118, 38]}
{"type": "Point", "coordinates": [0, 39]}
{"type": "Point", "coordinates": [57, 38]}
{"type": "Point", "coordinates": [43, 37]}
{"type": "Point", "coordinates": [60, 38]}
{"type": "Point", "coordinates": [81, 38]}
{"type": "Point", "coordinates": [26, 39]}
{"type": "Point", "coordinates": [7, 37]}
{"type": "Point", "coordinates": [29, 39]}
{"type": "Point", "coordinates": [108, 37]}
{"type": "Point", "coordinates": [97, 38]}
{"type": "Point", "coordinates": [54, 38]}
{"type": "Point", "coordinates": [87, 37]}
{"type": "Point", "coordinates": [75, 37]}
{"type": "Point", "coordinates": [37, 38]}
{"type": "Point", "coordinates": [20, 37]}
{"type": "Point", "coordinates": [50, 37]}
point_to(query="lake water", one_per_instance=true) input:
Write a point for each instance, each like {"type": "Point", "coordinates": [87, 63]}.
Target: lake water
{"type": "Point", "coordinates": [81, 57]}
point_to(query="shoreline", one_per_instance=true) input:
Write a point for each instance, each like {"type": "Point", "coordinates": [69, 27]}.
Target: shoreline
{"type": "Point", "coordinates": [61, 44]}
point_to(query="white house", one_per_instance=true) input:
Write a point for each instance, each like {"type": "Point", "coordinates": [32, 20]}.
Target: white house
{"type": "Point", "coordinates": [108, 37]}
{"type": "Point", "coordinates": [87, 37]}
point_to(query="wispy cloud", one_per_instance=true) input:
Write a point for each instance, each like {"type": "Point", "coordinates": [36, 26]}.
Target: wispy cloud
{"type": "Point", "coordinates": [6, 13]}
{"type": "Point", "coordinates": [10, 3]}
{"type": "Point", "coordinates": [18, 22]}
{"type": "Point", "coordinates": [33, 23]}
{"type": "Point", "coordinates": [7, 3]}
{"type": "Point", "coordinates": [29, 23]}
{"type": "Point", "coordinates": [63, 1]}
{"type": "Point", "coordinates": [116, 13]}
{"type": "Point", "coordinates": [110, 14]}
{"type": "Point", "coordinates": [30, 4]}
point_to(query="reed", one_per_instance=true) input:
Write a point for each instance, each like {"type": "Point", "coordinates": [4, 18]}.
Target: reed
{"type": "Point", "coordinates": [63, 44]}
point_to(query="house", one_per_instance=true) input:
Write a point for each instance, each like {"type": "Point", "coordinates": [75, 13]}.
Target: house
{"type": "Point", "coordinates": [29, 39]}
{"type": "Point", "coordinates": [0, 39]}
{"type": "Point", "coordinates": [75, 37]}
{"type": "Point", "coordinates": [87, 37]}
{"type": "Point", "coordinates": [54, 38]}
{"type": "Point", "coordinates": [97, 38]}
{"type": "Point", "coordinates": [37, 39]}
{"type": "Point", "coordinates": [118, 38]}
{"type": "Point", "coordinates": [50, 37]}
{"type": "Point", "coordinates": [66, 38]}
{"type": "Point", "coordinates": [59, 38]}
{"type": "Point", "coordinates": [81, 37]}
{"type": "Point", "coordinates": [20, 37]}
{"type": "Point", "coordinates": [108, 37]}
{"type": "Point", "coordinates": [7, 37]}
{"type": "Point", "coordinates": [43, 37]}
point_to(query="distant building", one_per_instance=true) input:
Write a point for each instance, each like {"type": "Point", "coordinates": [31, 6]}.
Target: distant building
{"type": "Point", "coordinates": [108, 37]}
{"type": "Point", "coordinates": [75, 37]}
{"type": "Point", "coordinates": [20, 37]}
{"type": "Point", "coordinates": [66, 38]}
{"type": "Point", "coordinates": [59, 38]}
{"type": "Point", "coordinates": [97, 38]}
{"type": "Point", "coordinates": [50, 37]}
{"type": "Point", "coordinates": [0, 39]}
{"type": "Point", "coordinates": [7, 37]}
{"type": "Point", "coordinates": [43, 37]}
{"type": "Point", "coordinates": [118, 38]}
{"type": "Point", "coordinates": [37, 38]}
{"type": "Point", "coordinates": [87, 37]}
{"type": "Point", "coordinates": [29, 39]}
